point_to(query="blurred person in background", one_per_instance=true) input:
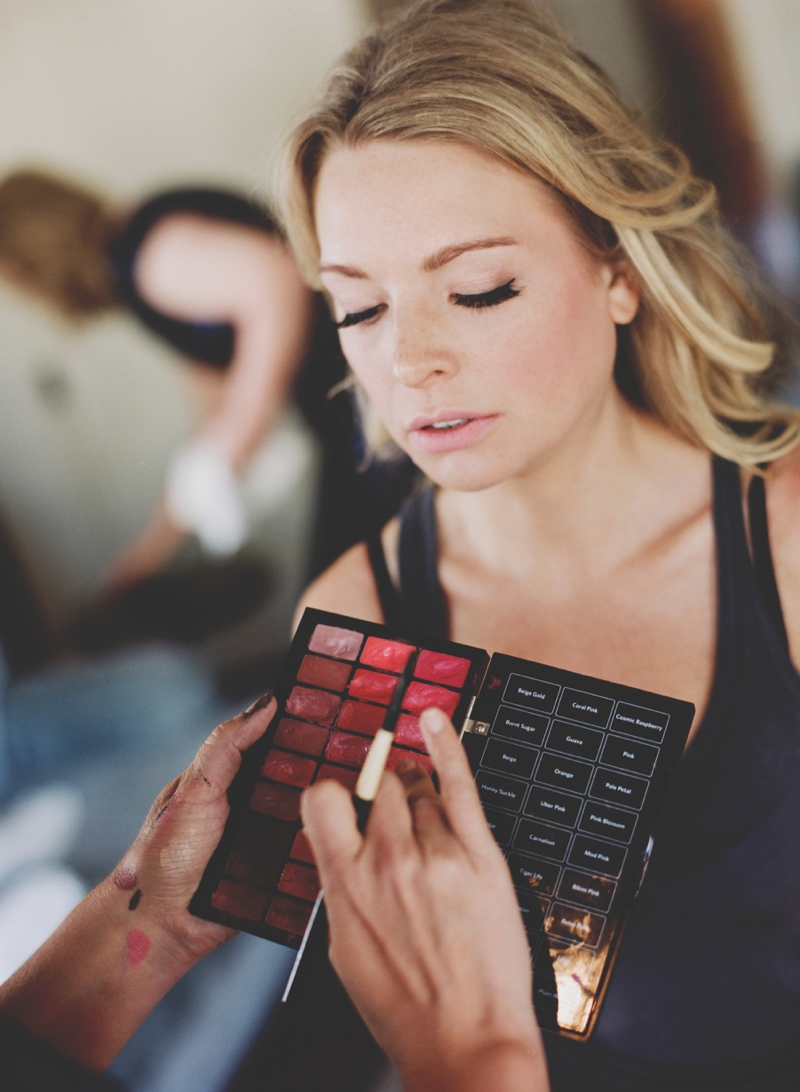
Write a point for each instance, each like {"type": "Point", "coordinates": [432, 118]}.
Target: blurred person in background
{"type": "Point", "coordinates": [208, 272]}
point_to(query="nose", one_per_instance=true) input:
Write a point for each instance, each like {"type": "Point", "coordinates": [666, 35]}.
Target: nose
{"type": "Point", "coordinates": [420, 355]}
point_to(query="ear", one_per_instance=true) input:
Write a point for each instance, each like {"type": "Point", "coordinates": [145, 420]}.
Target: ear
{"type": "Point", "coordinates": [623, 293]}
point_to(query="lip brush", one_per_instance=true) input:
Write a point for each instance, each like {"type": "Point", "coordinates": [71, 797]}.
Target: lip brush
{"type": "Point", "coordinates": [365, 792]}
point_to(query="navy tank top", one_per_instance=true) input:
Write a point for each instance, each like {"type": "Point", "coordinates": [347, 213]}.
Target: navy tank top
{"type": "Point", "coordinates": [705, 993]}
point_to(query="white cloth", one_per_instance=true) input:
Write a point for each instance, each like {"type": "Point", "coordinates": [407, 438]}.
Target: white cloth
{"type": "Point", "coordinates": [202, 496]}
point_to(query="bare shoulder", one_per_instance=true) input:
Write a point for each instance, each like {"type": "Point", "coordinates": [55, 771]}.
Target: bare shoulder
{"type": "Point", "coordinates": [188, 262]}
{"type": "Point", "coordinates": [783, 497]}
{"type": "Point", "coordinates": [347, 587]}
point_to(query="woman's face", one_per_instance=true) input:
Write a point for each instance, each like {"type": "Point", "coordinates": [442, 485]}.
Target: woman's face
{"type": "Point", "coordinates": [478, 324]}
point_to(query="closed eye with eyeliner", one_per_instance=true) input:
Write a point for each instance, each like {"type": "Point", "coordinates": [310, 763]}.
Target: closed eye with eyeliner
{"type": "Point", "coordinates": [475, 301]}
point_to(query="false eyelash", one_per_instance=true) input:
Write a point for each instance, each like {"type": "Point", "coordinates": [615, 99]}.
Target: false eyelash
{"type": "Point", "coordinates": [488, 299]}
{"type": "Point", "coordinates": [356, 317]}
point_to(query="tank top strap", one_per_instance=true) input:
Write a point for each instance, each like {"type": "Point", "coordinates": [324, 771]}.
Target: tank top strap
{"type": "Point", "coordinates": [387, 592]}
{"type": "Point", "coordinates": [763, 567]}
{"type": "Point", "coordinates": [421, 594]}
{"type": "Point", "coordinates": [419, 605]}
{"type": "Point", "coordinates": [745, 573]}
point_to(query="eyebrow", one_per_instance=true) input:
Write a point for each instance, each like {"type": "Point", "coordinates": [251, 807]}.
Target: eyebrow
{"type": "Point", "coordinates": [435, 261]}
{"type": "Point", "coordinates": [448, 253]}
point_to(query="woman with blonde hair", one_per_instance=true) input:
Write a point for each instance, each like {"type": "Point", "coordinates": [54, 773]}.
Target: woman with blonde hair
{"type": "Point", "coordinates": [539, 305]}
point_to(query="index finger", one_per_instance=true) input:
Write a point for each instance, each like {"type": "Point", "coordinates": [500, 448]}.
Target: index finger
{"type": "Point", "coordinates": [456, 783]}
{"type": "Point", "coordinates": [329, 821]}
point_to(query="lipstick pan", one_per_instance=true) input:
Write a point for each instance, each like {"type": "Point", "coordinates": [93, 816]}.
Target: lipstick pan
{"type": "Point", "coordinates": [366, 790]}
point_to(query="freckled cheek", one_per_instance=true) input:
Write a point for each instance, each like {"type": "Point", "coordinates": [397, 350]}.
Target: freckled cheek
{"type": "Point", "coordinates": [556, 364]}
{"type": "Point", "coordinates": [378, 382]}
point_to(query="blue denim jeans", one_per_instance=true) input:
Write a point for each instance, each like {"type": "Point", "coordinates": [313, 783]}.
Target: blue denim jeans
{"type": "Point", "coordinates": [132, 702]}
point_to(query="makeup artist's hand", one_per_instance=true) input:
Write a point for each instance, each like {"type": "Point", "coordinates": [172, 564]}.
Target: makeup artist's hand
{"type": "Point", "coordinates": [87, 989]}
{"type": "Point", "coordinates": [161, 870]}
{"type": "Point", "coordinates": [426, 933]}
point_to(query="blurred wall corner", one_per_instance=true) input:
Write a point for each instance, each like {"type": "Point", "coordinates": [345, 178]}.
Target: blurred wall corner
{"type": "Point", "coordinates": [705, 106]}
{"type": "Point", "coordinates": [378, 11]}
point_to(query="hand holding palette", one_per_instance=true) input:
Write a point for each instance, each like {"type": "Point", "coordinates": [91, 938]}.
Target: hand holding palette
{"type": "Point", "coordinates": [571, 771]}
{"type": "Point", "coordinates": [333, 696]}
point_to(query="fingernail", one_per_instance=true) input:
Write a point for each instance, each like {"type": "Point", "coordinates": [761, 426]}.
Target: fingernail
{"type": "Point", "coordinates": [262, 703]}
{"type": "Point", "coordinates": [434, 720]}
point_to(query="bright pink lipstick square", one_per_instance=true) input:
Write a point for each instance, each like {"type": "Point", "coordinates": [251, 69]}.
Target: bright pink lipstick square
{"type": "Point", "coordinates": [408, 732]}
{"type": "Point", "coordinates": [436, 667]}
{"type": "Point", "coordinates": [348, 749]}
{"type": "Point", "coordinates": [387, 655]}
{"type": "Point", "coordinates": [420, 696]}
{"type": "Point", "coordinates": [372, 686]}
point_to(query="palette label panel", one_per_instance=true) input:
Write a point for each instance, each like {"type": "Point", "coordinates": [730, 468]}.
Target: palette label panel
{"type": "Point", "coordinates": [590, 760]}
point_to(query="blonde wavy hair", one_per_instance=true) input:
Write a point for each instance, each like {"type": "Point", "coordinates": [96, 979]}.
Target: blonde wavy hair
{"type": "Point", "coordinates": [500, 76]}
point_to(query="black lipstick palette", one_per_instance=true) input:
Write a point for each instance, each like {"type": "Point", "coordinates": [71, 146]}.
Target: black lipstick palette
{"type": "Point", "coordinates": [571, 771]}
{"type": "Point", "coordinates": [333, 695]}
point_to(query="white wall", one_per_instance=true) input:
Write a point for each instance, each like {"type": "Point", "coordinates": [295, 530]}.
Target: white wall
{"type": "Point", "coordinates": [766, 36]}
{"type": "Point", "coordinates": [613, 34]}
{"type": "Point", "coordinates": [129, 95]}
{"type": "Point", "coordinates": [133, 93]}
